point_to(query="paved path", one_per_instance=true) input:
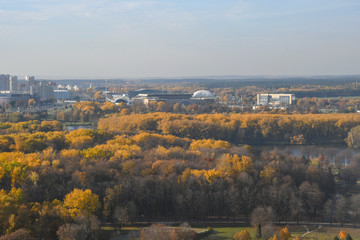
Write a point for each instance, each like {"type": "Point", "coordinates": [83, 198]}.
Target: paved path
{"type": "Point", "coordinates": [308, 232]}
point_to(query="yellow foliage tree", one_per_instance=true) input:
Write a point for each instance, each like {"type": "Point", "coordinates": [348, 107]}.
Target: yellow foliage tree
{"type": "Point", "coordinates": [80, 202]}
{"type": "Point", "coordinates": [342, 234]}
{"type": "Point", "coordinates": [243, 235]}
{"type": "Point", "coordinates": [269, 172]}
{"type": "Point", "coordinates": [232, 165]}
{"type": "Point", "coordinates": [284, 234]}
{"type": "Point", "coordinates": [273, 238]}
{"type": "Point", "coordinates": [108, 107]}
{"type": "Point", "coordinates": [209, 143]}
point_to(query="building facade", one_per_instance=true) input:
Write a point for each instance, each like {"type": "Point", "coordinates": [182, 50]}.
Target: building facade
{"type": "Point", "coordinates": [4, 82]}
{"type": "Point", "coordinates": [42, 91]}
{"type": "Point", "coordinates": [280, 99]}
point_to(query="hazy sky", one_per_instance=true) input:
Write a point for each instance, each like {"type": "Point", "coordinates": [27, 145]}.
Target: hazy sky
{"type": "Point", "coordinates": [172, 38]}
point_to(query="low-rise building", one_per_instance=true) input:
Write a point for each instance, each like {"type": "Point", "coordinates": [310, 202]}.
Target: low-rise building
{"type": "Point", "coordinates": [278, 99]}
{"type": "Point", "coordinates": [198, 97]}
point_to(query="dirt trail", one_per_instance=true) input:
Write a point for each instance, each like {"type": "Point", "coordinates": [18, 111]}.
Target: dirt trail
{"type": "Point", "coordinates": [308, 232]}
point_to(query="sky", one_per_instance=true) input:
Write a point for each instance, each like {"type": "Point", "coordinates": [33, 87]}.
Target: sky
{"type": "Point", "coordinates": [62, 39]}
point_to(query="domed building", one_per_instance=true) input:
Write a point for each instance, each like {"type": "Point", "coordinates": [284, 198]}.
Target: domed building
{"type": "Point", "coordinates": [198, 97]}
{"type": "Point", "coordinates": [202, 94]}
{"type": "Point", "coordinates": [203, 97]}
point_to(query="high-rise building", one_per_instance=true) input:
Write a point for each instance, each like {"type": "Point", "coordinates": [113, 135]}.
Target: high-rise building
{"type": "Point", "coordinates": [29, 78]}
{"type": "Point", "coordinates": [13, 83]}
{"type": "Point", "coordinates": [4, 82]}
{"type": "Point", "coordinates": [30, 81]}
{"type": "Point", "coordinates": [42, 90]}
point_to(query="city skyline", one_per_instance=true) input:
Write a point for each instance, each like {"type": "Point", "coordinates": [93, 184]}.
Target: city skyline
{"type": "Point", "coordinates": [138, 39]}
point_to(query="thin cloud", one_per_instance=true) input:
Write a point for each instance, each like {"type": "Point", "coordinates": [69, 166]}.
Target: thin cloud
{"type": "Point", "coordinates": [248, 10]}
{"type": "Point", "coordinates": [45, 10]}
{"type": "Point", "coordinates": [239, 8]}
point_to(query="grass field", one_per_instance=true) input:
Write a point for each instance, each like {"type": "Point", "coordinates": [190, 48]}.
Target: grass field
{"type": "Point", "coordinates": [227, 233]}
{"type": "Point", "coordinates": [324, 233]}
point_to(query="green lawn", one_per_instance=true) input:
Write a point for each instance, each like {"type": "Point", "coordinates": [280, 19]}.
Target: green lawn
{"type": "Point", "coordinates": [108, 232]}
{"type": "Point", "coordinates": [223, 233]}
{"type": "Point", "coordinates": [227, 233]}
{"type": "Point", "coordinates": [328, 233]}
{"type": "Point", "coordinates": [324, 233]}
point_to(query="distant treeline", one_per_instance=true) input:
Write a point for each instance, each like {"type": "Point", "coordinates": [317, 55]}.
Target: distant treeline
{"type": "Point", "coordinates": [327, 93]}
{"type": "Point", "coordinates": [274, 82]}
{"type": "Point", "coordinates": [240, 128]}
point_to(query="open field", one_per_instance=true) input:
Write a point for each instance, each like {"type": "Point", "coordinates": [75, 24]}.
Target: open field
{"type": "Point", "coordinates": [324, 233]}
{"type": "Point", "coordinates": [227, 233]}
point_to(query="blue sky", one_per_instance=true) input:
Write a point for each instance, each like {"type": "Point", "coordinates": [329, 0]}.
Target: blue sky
{"type": "Point", "coordinates": [163, 38]}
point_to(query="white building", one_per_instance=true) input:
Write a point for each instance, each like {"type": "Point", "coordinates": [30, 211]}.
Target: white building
{"type": "Point", "coordinates": [13, 83]}
{"type": "Point", "coordinates": [280, 99]}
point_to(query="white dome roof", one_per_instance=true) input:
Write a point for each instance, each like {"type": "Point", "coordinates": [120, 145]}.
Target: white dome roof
{"type": "Point", "coordinates": [202, 94]}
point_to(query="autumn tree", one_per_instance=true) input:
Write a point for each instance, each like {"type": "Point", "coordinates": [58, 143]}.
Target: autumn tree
{"type": "Point", "coordinates": [99, 96]}
{"type": "Point", "coordinates": [80, 202]}
{"type": "Point", "coordinates": [342, 234]}
{"type": "Point", "coordinates": [31, 102]}
{"type": "Point", "coordinates": [284, 234]}
{"type": "Point", "coordinates": [108, 107]}
{"type": "Point", "coordinates": [243, 235]}
{"type": "Point", "coordinates": [353, 138]}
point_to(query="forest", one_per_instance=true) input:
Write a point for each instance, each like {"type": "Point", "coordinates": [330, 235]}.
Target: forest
{"type": "Point", "coordinates": [240, 128]}
{"type": "Point", "coordinates": [199, 168]}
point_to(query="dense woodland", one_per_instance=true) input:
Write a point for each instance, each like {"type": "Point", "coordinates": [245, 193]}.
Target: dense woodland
{"type": "Point", "coordinates": [240, 128]}
{"type": "Point", "coordinates": [170, 167]}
